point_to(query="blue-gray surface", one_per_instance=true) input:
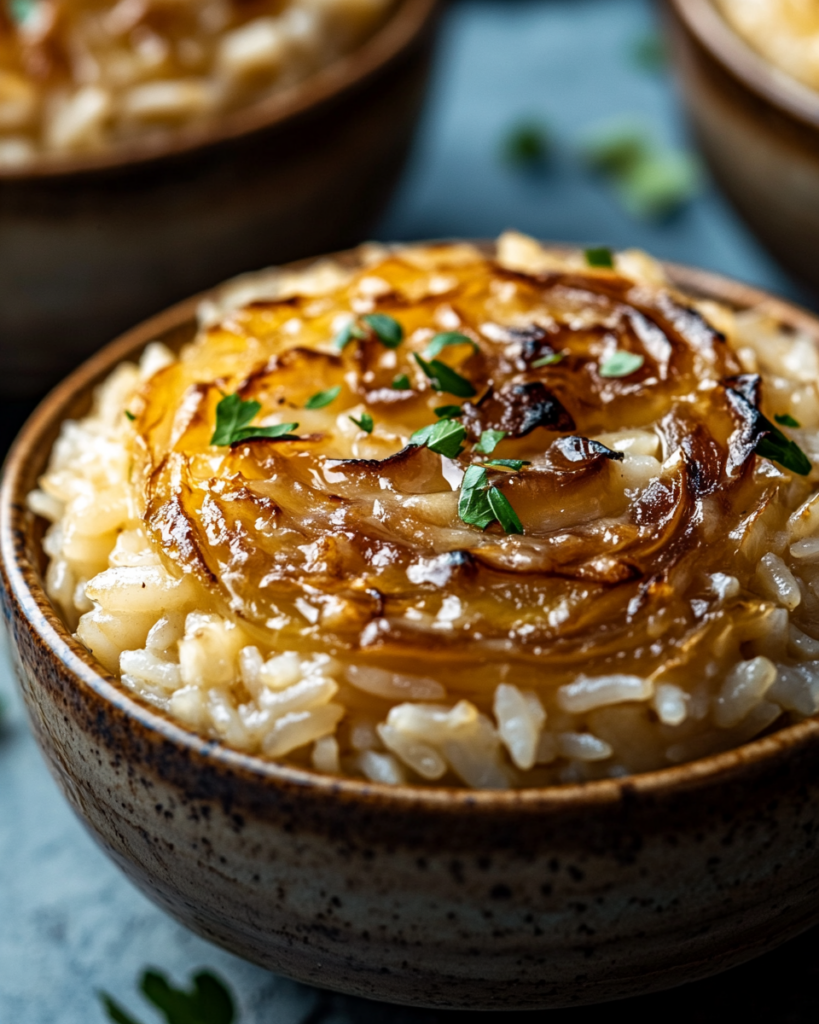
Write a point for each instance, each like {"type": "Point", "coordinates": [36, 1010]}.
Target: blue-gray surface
{"type": "Point", "coordinates": [69, 923]}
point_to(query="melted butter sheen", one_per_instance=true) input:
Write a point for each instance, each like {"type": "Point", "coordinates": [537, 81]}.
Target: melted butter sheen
{"type": "Point", "coordinates": [351, 543]}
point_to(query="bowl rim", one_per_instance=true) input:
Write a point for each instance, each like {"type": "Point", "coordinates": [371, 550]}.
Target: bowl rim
{"type": "Point", "coordinates": [405, 23]}
{"type": "Point", "coordinates": [714, 34]}
{"type": "Point", "coordinates": [24, 592]}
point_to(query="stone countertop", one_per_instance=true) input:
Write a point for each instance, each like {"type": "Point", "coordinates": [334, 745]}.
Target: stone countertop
{"type": "Point", "coordinates": [70, 924]}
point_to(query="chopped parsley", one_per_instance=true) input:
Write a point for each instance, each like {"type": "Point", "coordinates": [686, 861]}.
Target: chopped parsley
{"type": "Point", "coordinates": [444, 378]}
{"type": "Point", "coordinates": [651, 181]}
{"type": "Point", "coordinates": [779, 448]}
{"type": "Point", "coordinates": [527, 146]}
{"type": "Point", "coordinates": [130, 416]}
{"type": "Point", "coordinates": [514, 464]}
{"type": "Point", "coordinates": [480, 505]}
{"type": "Point", "coordinates": [448, 412]}
{"type": "Point", "coordinates": [386, 328]}
{"type": "Point", "coordinates": [347, 334]}
{"type": "Point", "coordinates": [232, 418]}
{"type": "Point", "coordinates": [209, 1001]}
{"type": "Point", "coordinates": [323, 398]}
{"type": "Point", "coordinates": [786, 420]}
{"type": "Point", "coordinates": [489, 441]}
{"type": "Point", "coordinates": [621, 364]}
{"type": "Point", "coordinates": [441, 341]}
{"type": "Point", "coordinates": [600, 257]}
{"type": "Point", "coordinates": [551, 360]}
{"type": "Point", "coordinates": [22, 10]}
{"type": "Point", "coordinates": [445, 437]}
{"type": "Point", "coordinates": [365, 423]}
{"type": "Point", "coordinates": [401, 383]}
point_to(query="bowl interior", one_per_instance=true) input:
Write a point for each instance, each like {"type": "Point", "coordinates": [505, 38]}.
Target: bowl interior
{"type": "Point", "coordinates": [23, 565]}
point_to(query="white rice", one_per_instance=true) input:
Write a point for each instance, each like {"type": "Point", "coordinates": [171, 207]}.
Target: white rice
{"type": "Point", "coordinates": [210, 672]}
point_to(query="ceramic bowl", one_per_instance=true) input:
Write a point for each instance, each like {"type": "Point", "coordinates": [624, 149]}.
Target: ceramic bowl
{"type": "Point", "coordinates": [758, 129]}
{"type": "Point", "coordinates": [91, 245]}
{"type": "Point", "coordinates": [428, 896]}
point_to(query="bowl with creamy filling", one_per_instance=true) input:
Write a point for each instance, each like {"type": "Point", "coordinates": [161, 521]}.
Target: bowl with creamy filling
{"type": "Point", "coordinates": [150, 148]}
{"type": "Point", "coordinates": [748, 74]}
{"type": "Point", "coordinates": [437, 591]}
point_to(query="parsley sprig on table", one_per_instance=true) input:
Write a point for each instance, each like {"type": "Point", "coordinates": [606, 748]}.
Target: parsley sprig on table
{"type": "Point", "coordinates": [233, 415]}
{"type": "Point", "coordinates": [207, 1002]}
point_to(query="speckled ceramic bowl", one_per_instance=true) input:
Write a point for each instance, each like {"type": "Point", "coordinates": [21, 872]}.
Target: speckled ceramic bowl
{"type": "Point", "coordinates": [758, 129]}
{"type": "Point", "coordinates": [427, 896]}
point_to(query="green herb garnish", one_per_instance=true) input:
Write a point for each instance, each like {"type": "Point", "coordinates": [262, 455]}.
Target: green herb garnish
{"type": "Point", "coordinates": [129, 416]}
{"type": "Point", "coordinates": [365, 423]}
{"type": "Point", "coordinates": [22, 10]}
{"type": "Point", "coordinates": [444, 378]}
{"type": "Point", "coordinates": [347, 334]}
{"type": "Point", "coordinates": [386, 328]}
{"type": "Point", "coordinates": [441, 341]}
{"type": "Point", "coordinates": [600, 257]}
{"type": "Point", "coordinates": [527, 145]}
{"type": "Point", "coordinates": [401, 383]}
{"type": "Point", "coordinates": [650, 180]}
{"type": "Point", "coordinates": [448, 412]}
{"type": "Point", "coordinates": [208, 1002]}
{"type": "Point", "coordinates": [444, 437]}
{"type": "Point", "coordinates": [786, 420]}
{"type": "Point", "coordinates": [489, 441]}
{"type": "Point", "coordinates": [479, 505]}
{"type": "Point", "coordinates": [323, 398]}
{"type": "Point", "coordinates": [649, 53]}
{"type": "Point", "coordinates": [551, 360]}
{"type": "Point", "coordinates": [779, 448]}
{"type": "Point", "coordinates": [621, 364]}
{"type": "Point", "coordinates": [232, 418]}
{"type": "Point", "coordinates": [515, 464]}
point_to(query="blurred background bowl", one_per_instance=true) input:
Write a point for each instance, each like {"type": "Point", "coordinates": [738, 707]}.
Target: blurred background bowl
{"type": "Point", "coordinates": [89, 245]}
{"type": "Point", "coordinates": [758, 129]}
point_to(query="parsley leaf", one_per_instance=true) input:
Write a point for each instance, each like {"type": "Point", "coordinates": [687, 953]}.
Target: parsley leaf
{"type": "Point", "coordinates": [778, 448]}
{"type": "Point", "coordinates": [401, 383]}
{"type": "Point", "coordinates": [786, 420]}
{"type": "Point", "coordinates": [479, 507]}
{"type": "Point", "coordinates": [527, 145]}
{"type": "Point", "coordinates": [621, 364]}
{"type": "Point", "coordinates": [441, 341]}
{"type": "Point", "coordinates": [130, 416]}
{"type": "Point", "coordinates": [515, 464]}
{"type": "Point", "coordinates": [551, 360]}
{"type": "Point", "coordinates": [208, 1002]}
{"type": "Point", "coordinates": [232, 416]}
{"type": "Point", "coordinates": [386, 328]}
{"type": "Point", "coordinates": [444, 378]}
{"type": "Point", "coordinates": [114, 1011]}
{"type": "Point", "coordinates": [323, 398]}
{"type": "Point", "coordinates": [504, 513]}
{"type": "Point", "coordinates": [600, 257]}
{"type": "Point", "coordinates": [365, 423]}
{"type": "Point", "coordinates": [489, 441]}
{"type": "Point", "coordinates": [347, 334]}
{"type": "Point", "coordinates": [22, 10]}
{"type": "Point", "coordinates": [448, 412]}
{"type": "Point", "coordinates": [445, 437]}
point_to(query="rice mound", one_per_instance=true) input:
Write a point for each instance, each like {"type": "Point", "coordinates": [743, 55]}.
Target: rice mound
{"type": "Point", "coordinates": [425, 696]}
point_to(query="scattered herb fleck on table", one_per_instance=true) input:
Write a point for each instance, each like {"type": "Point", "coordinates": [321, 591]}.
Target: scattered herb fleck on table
{"type": "Point", "coordinates": [208, 1001]}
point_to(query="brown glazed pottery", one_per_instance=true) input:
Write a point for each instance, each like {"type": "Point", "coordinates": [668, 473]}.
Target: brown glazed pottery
{"type": "Point", "coordinates": [428, 896]}
{"type": "Point", "coordinates": [758, 129]}
{"type": "Point", "coordinates": [91, 245]}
